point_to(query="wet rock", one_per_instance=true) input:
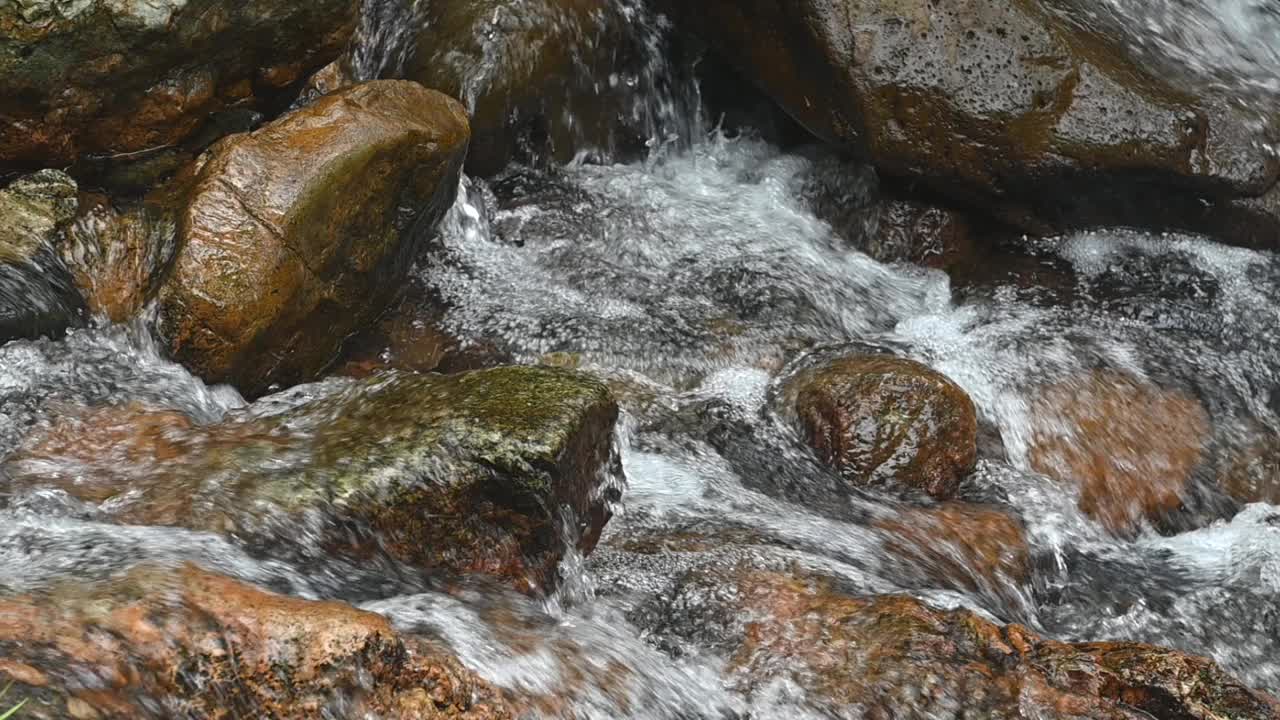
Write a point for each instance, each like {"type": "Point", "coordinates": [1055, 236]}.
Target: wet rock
{"type": "Point", "coordinates": [1130, 448]}
{"type": "Point", "coordinates": [184, 643]}
{"type": "Point", "coordinates": [921, 233]}
{"type": "Point", "coordinates": [964, 547]}
{"type": "Point", "coordinates": [895, 657]}
{"type": "Point", "coordinates": [296, 235]}
{"type": "Point", "coordinates": [118, 258]}
{"type": "Point", "coordinates": [99, 78]}
{"type": "Point", "coordinates": [494, 471]}
{"type": "Point", "coordinates": [1253, 473]}
{"type": "Point", "coordinates": [1005, 103]}
{"type": "Point", "coordinates": [37, 296]}
{"type": "Point", "coordinates": [881, 419]}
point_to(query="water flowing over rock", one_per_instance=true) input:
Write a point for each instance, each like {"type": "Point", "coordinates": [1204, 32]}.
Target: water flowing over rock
{"type": "Point", "coordinates": [896, 657]}
{"type": "Point", "coordinates": [185, 643]}
{"type": "Point", "coordinates": [296, 235]}
{"type": "Point", "coordinates": [498, 471]}
{"type": "Point", "coordinates": [37, 295]}
{"type": "Point", "coordinates": [103, 78]}
{"type": "Point", "coordinates": [1129, 447]}
{"type": "Point", "coordinates": [1003, 103]}
{"type": "Point", "coordinates": [881, 419]}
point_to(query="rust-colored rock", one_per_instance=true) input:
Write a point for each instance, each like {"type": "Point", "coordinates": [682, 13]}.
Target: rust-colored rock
{"type": "Point", "coordinates": [881, 419]}
{"type": "Point", "coordinates": [1013, 105]}
{"type": "Point", "coordinates": [966, 547]}
{"type": "Point", "coordinates": [161, 643]}
{"type": "Point", "coordinates": [1253, 474]}
{"type": "Point", "coordinates": [118, 258]}
{"type": "Point", "coordinates": [296, 235]}
{"type": "Point", "coordinates": [895, 657]}
{"type": "Point", "coordinates": [1130, 447]}
{"type": "Point", "coordinates": [101, 78]}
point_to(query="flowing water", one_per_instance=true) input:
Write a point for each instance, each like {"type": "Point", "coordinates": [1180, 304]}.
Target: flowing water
{"type": "Point", "coordinates": [696, 282]}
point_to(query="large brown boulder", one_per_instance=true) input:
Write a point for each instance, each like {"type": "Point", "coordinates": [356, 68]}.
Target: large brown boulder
{"type": "Point", "coordinates": [296, 235]}
{"type": "Point", "coordinates": [1006, 103]}
{"type": "Point", "coordinates": [1128, 447]}
{"type": "Point", "coordinates": [37, 295]}
{"type": "Point", "coordinates": [880, 419]}
{"type": "Point", "coordinates": [896, 657]}
{"type": "Point", "coordinates": [494, 471]}
{"type": "Point", "coordinates": [185, 643]}
{"type": "Point", "coordinates": [120, 79]}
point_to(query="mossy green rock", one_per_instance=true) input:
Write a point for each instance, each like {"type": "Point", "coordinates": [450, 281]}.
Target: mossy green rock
{"type": "Point", "coordinates": [293, 237]}
{"type": "Point", "coordinates": [110, 78]}
{"type": "Point", "coordinates": [37, 296]}
{"type": "Point", "coordinates": [1008, 104]}
{"type": "Point", "coordinates": [491, 471]}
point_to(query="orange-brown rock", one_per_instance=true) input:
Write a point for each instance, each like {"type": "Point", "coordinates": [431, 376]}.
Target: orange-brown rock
{"type": "Point", "coordinates": [896, 657]}
{"type": "Point", "coordinates": [101, 78]}
{"type": "Point", "coordinates": [881, 419]}
{"type": "Point", "coordinates": [1253, 474]}
{"type": "Point", "coordinates": [298, 234]}
{"type": "Point", "coordinates": [1128, 446]}
{"type": "Point", "coordinates": [963, 546]}
{"type": "Point", "coordinates": [163, 643]}
{"type": "Point", "coordinates": [118, 258]}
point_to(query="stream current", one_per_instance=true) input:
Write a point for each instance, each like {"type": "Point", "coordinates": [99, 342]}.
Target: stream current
{"type": "Point", "coordinates": [695, 281]}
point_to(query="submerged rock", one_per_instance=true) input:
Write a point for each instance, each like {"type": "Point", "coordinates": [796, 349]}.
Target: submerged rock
{"type": "Point", "coordinates": [37, 296]}
{"type": "Point", "coordinates": [107, 78]}
{"type": "Point", "coordinates": [185, 643]}
{"type": "Point", "coordinates": [896, 657]}
{"type": "Point", "coordinates": [118, 258]}
{"type": "Point", "coordinates": [298, 234]}
{"type": "Point", "coordinates": [495, 471]}
{"type": "Point", "coordinates": [1129, 447]}
{"type": "Point", "coordinates": [1009, 104]}
{"type": "Point", "coordinates": [880, 419]}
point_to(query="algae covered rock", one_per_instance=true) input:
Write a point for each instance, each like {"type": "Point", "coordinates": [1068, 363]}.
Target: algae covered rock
{"type": "Point", "coordinates": [494, 471]}
{"type": "Point", "coordinates": [37, 295]}
{"type": "Point", "coordinates": [880, 419]}
{"type": "Point", "coordinates": [106, 78]}
{"type": "Point", "coordinates": [1015, 105]}
{"type": "Point", "coordinates": [295, 236]}
{"type": "Point", "coordinates": [162, 642]}
{"type": "Point", "coordinates": [896, 657]}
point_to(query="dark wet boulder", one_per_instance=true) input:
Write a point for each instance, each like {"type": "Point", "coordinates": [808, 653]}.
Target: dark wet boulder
{"type": "Point", "coordinates": [1009, 104]}
{"type": "Point", "coordinates": [896, 657]}
{"type": "Point", "coordinates": [298, 234]}
{"type": "Point", "coordinates": [37, 295]}
{"type": "Point", "coordinates": [494, 471]}
{"type": "Point", "coordinates": [109, 79]}
{"type": "Point", "coordinates": [185, 643]}
{"type": "Point", "coordinates": [1129, 448]}
{"type": "Point", "coordinates": [881, 420]}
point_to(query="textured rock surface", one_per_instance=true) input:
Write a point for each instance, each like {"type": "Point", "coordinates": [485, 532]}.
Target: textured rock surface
{"type": "Point", "coordinates": [881, 419]}
{"type": "Point", "coordinates": [296, 235]}
{"type": "Point", "coordinates": [110, 78]}
{"type": "Point", "coordinates": [37, 295]}
{"type": "Point", "coordinates": [999, 102]}
{"type": "Point", "coordinates": [466, 473]}
{"type": "Point", "coordinates": [163, 643]}
{"type": "Point", "coordinates": [1129, 447]}
{"type": "Point", "coordinates": [895, 657]}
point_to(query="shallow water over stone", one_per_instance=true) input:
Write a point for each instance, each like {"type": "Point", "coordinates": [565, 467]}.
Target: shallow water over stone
{"type": "Point", "coordinates": [697, 284]}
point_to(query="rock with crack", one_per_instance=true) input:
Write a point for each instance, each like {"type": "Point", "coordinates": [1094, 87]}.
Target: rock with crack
{"type": "Point", "coordinates": [296, 235]}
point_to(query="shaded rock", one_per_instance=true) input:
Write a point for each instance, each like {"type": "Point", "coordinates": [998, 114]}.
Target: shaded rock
{"type": "Point", "coordinates": [966, 547]}
{"type": "Point", "coordinates": [895, 657]}
{"type": "Point", "coordinates": [37, 296]}
{"type": "Point", "coordinates": [924, 234]}
{"type": "Point", "coordinates": [1129, 447]}
{"type": "Point", "coordinates": [163, 643]}
{"type": "Point", "coordinates": [1004, 103]}
{"type": "Point", "coordinates": [296, 235]}
{"type": "Point", "coordinates": [881, 419]}
{"type": "Point", "coordinates": [493, 471]}
{"type": "Point", "coordinates": [1253, 474]}
{"type": "Point", "coordinates": [102, 78]}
